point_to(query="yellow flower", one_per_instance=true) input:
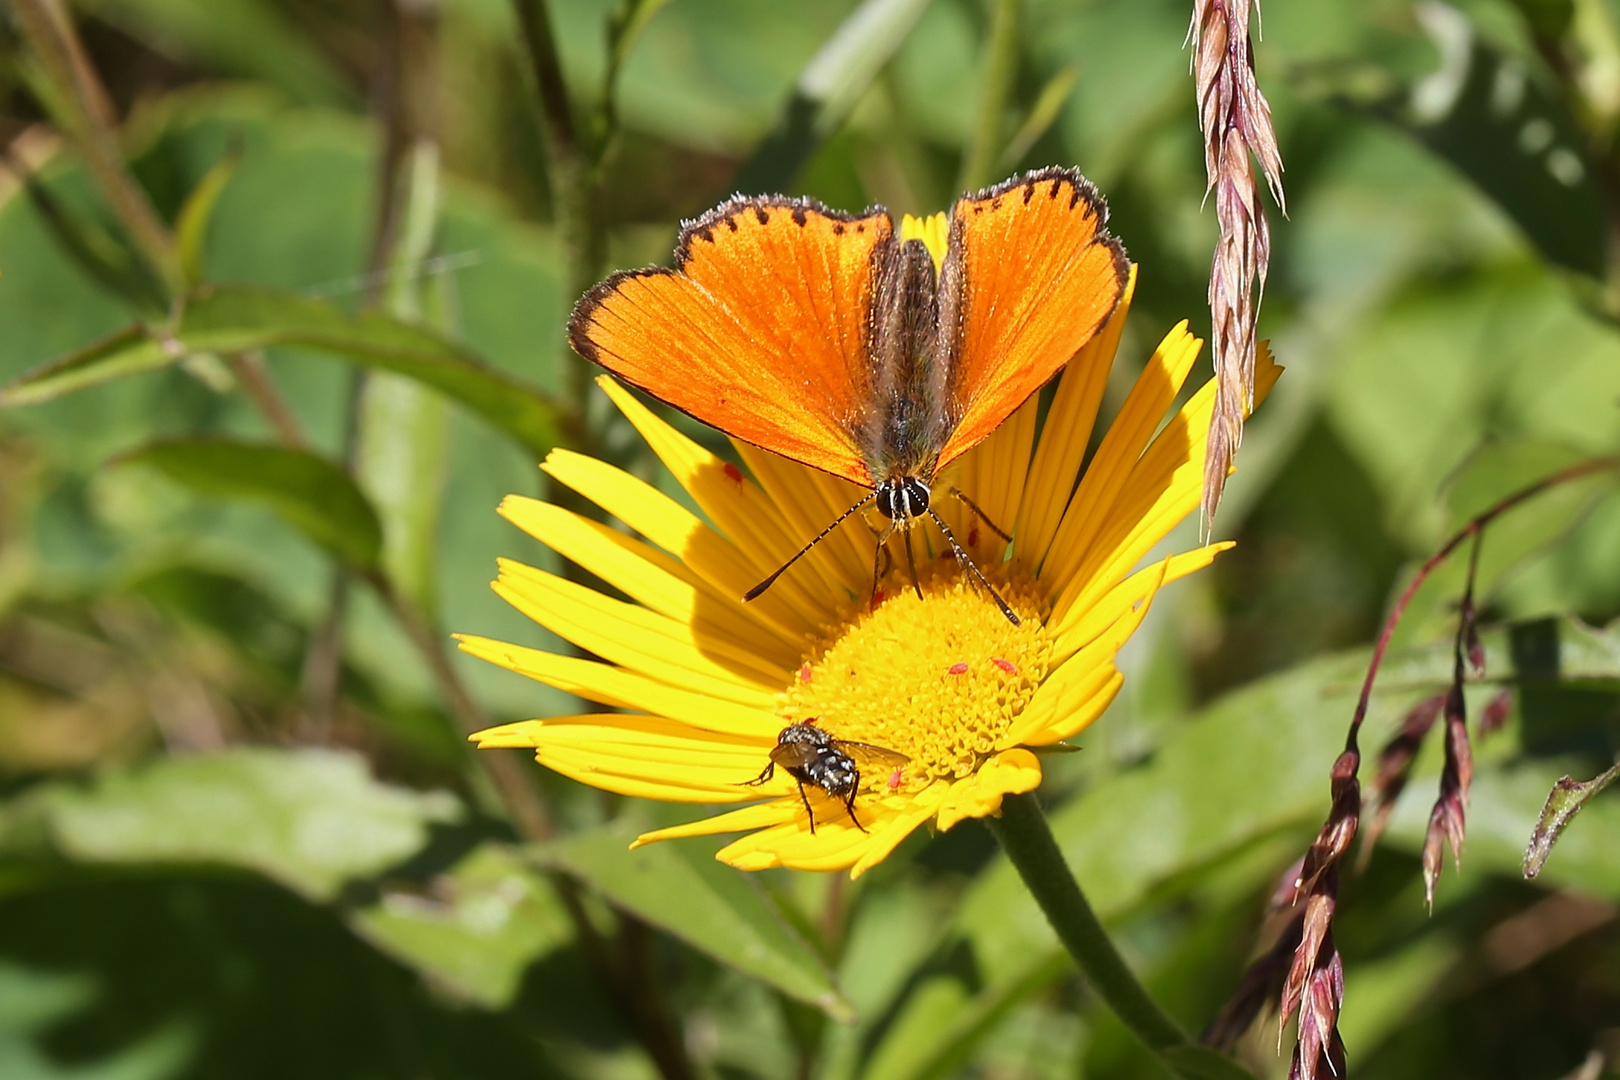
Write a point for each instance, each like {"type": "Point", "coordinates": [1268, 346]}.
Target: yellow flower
{"type": "Point", "coordinates": [707, 682]}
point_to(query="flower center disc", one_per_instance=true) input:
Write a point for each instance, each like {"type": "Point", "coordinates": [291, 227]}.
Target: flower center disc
{"type": "Point", "coordinates": [938, 679]}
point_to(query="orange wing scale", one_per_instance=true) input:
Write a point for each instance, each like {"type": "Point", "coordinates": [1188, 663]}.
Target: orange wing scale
{"type": "Point", "coordinates": [759, 331]}
{"type": "Point", "coordinates": [1040, 277]}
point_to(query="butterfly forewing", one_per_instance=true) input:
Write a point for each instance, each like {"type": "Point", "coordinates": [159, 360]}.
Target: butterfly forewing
{"type": "Point", "coordinates": [1030, 276]}
{"type": "Point", "coordinates": [759, 331]}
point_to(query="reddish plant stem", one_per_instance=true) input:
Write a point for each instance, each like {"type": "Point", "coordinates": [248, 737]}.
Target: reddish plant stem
{"type": "Point", "coordinates": [1474, 526]}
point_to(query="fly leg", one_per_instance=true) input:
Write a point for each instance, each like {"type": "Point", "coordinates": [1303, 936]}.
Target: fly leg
{"type": "Point", "coordinates": [770, 771]}
{"type": "Point", "coordinates": [812, 814]}
{"type": "Point", "coordinates": [849, 804]}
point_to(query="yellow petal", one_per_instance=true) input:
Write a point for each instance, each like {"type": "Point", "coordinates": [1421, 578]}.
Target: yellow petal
{"type": "Point", "coordinates": [749, 817]}
{"type": "Point", "coordinates": [1163, 488]}
{"type": "Point", "coordinates": [1072, 690]}
{"type": "Point", "coordinates": [738, 508]}
{"type": "Point", "coordinates": [888, 835]}
{"type": "Point", "coordinates": [1076, 621]}
{"type": "Point", "coordinates": [809, 501]}
{"type": "Point", "coordinates": [1011, 772]}
{"type": "Point", "coordinates": [643, 754]}
{"type": "Point", "coordinates": [625, 690]}
{"type": "Point", "coordinates": [640, 640]}
{"type": "Point", "coordinates": [651, 577]}
{"type": "Point", "coordinates": [1093, 503]}
{"type": "Point", "coordinates": [675, 529]}
{"type": "Point", "coordinates": [1066, 436]}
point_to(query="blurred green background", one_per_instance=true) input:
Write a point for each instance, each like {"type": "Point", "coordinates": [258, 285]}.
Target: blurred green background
{"type": "Point", "coordinates": [240, 833]}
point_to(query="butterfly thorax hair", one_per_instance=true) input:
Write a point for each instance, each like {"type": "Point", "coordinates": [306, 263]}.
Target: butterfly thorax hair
{"type": "Point", "coordinates": [907, 417]}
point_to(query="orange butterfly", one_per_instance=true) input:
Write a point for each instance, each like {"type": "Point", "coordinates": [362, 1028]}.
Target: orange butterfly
{"type": "Point", "coordinates": [822, 337]}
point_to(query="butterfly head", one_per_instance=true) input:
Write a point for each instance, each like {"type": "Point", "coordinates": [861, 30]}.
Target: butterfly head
{"type": "Point", "coordinates": [901, 498]}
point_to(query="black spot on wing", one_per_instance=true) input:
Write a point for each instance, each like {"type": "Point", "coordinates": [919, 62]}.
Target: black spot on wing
{"type": "Point", "coordinates": [704, 227]}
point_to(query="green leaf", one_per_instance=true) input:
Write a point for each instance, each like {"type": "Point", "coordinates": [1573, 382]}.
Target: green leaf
{"type": "Point", "coordinates": [710, 906]}
{"type": "Point", "coordinates": [1515, 139]}
{"type": "Point", "coordinates": [106, 258]}
{"type": "Point", "coordinates": [476, 929]}
{"type": "Point", "coordinates": [827, 89]}
{"type": "Point", "coordinates": [197, 212]}
{"type": "Point", "coordinates": [1567, 798]}
{"type": "Point", "coordinates": [310, 493]}
{"type": "Point", "coordinates": [229, 320]}
{"type": "Point", "coordinates": [309, 819]}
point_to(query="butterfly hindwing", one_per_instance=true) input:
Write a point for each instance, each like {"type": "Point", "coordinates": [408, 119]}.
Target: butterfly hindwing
{"type": "Point", "coordinates": [1030, 275]}
{"type": "Point", "coordinates": [759, 331]}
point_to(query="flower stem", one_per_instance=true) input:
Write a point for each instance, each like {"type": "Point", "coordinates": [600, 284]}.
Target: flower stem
{"type": "Point", "coordinates": [1025, 837]}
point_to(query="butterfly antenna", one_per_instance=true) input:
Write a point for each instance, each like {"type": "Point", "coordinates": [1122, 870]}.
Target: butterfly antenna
{"type": "Point", "coordinates": [758, 590]}
{"type": "Point", "coordinates": [973, 506]}
{"type": "Point", "coordinates": [967, 560]}
{"type": "Point", "coordinates": [911, 566]}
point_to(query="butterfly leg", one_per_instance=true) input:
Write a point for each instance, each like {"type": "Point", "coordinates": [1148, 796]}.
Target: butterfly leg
{"type": "Point", "coordinates": [809, 812]}
{"type": "Point", "coordinates": [966, 560]}
{"type": "Point", "coordinates": [957, 493]}
{"type": "Point", "coordinates": [911, 562]}
{"type": "Point", "coordinates": [878, 569]}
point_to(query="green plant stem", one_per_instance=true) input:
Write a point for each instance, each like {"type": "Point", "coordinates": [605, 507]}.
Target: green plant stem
{"type": "Point", "coordinates": [571, 172]}
{"type": "Point", "coordinates": [1025, 837]}
{"type": "Point", "coordinates": [50, 33]}
{"type": "Point", "coordinates": [985, 147]}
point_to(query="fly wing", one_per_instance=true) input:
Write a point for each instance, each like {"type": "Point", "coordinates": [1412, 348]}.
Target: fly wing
{"type": "Point", "coordinates": [794, 755]}
{"type": "Point", "coordinates": [876, 757]}
{"type": "Point", "coordinates": [760, 330]}
{"type": "Point", "coordinates": [1029, 276]}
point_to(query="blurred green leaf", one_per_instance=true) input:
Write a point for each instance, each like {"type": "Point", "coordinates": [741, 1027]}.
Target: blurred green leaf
{"type": "Point", "coordinates": [105, 258]}
{"type": "Point", "coordinates": [827, 89]}
{"type": "Point", "coordinates": [197, 213]}
{"type": "Point", "coordinates": [244, 37]}
{"type": "Point", "coordinates": [309, 819]}
{"type": "Point", "coordinates": [310, 493]}
{"type": "Point", "coordinates": [1494, 121]}
{"type": "Point", "coordinates": [227, 320]}
{"type": "Point", "coordinates": [403, 432]}
{"type": "Point", "coordinates": [680, 888]}
{"type": "Point", "coordinates": [1567, 798]}
{"type": "Point", "coordinates": [476, 928]}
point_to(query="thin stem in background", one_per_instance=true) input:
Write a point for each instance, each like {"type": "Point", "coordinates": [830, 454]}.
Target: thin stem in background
{"type": "Point", "coordinates": [1314, 984]}
{"type": "Point", "coordinates": [575, 195]}
{"type": "Point", "coordinates": [1022, 831]}
{"type": "Point", "coordinates": [1000, 68]}
{"type": "Point", "coordinates": [53, 39]}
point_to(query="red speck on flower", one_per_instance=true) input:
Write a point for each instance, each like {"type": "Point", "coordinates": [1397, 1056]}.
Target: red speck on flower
{"type": "Point", "coordinates": [973, 536]}
{"type": "Point", "coordinates": [1005, 665]}
{"type": "Point", "coordinates": [894, 780]}
{"type": "Point", "coordinates": [878, 597]}
{"type": "Point", "coordinates": [734, 474]}
{"type": "Point", "coordinates": [958, 668]}
{"type": "Point", "coordinates": [805, 672]}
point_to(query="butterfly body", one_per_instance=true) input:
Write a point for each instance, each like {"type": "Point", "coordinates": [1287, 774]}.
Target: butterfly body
{"type": "Point", "coordinates": [827, 338]}
{"type": "Point", "coordinates": [813, 757]}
